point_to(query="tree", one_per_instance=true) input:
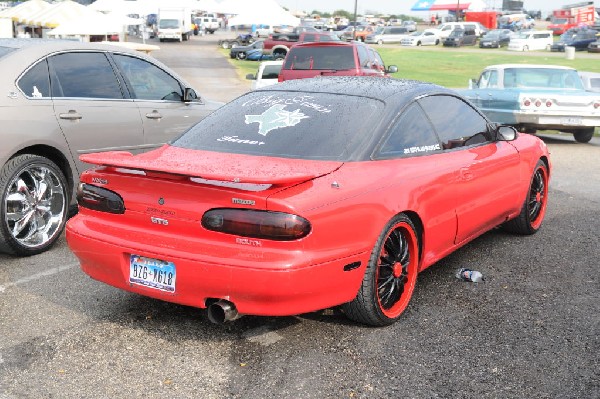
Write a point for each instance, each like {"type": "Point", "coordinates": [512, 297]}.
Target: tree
{"type": "Point", "coordinates": [343, 14]}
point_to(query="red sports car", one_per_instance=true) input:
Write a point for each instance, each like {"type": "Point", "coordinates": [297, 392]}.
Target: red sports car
{"type": "Point", "coordinates": [307, 195]}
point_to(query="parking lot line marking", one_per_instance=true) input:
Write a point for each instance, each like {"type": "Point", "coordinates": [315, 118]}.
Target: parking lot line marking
{"type": "Point", "coordinates": [37, 276]}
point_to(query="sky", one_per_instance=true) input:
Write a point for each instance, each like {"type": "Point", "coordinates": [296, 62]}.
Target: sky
{"type": "Point", "coordinates": [403, 6]}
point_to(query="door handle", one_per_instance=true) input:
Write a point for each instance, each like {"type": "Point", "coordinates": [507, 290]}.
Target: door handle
{"type": "Point", "coordinates": [154, 115]}
{"type": "Point", "coordinates": [72, 115]}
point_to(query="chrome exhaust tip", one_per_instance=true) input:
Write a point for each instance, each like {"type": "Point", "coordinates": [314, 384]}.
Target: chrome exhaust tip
{"type": "Point", "coordinates": [222, 311]}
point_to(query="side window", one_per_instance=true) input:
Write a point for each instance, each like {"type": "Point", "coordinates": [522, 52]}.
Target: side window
{"type": "Point", "coordinates": [458, 125]}
{"type": "Point", "coordinates": [309, 37]}
{"type": "Point", "coordinates": [412, 134]}
{"type": "Point", "coordinates": [363, 57]}
{"type": "Point", "coordinates": [377, 61]}
{"type": "Point", "coordinates": [83, 74]}
{"type": "Point", "coordinates": [35, 82]}
{"type": "Point", "coordinates": [147, 81]}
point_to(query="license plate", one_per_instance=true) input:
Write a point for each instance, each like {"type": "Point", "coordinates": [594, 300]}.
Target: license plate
{"type": "Point", "coordinates": [152, 273]}
{"type": "Point", "coordinates": [574, 121]}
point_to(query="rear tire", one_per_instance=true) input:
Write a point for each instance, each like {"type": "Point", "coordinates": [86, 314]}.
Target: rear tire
{"type": "Point", "coordinates": [241, 55]}
{"type": "Point", "coordinates": [533, 211]}
{"type": "Point", "coordinates": [390, 276]}
{"type": "Point", "coordinates": [34, 197]}
{"type": "Point", "coordinates": [584, 135]}
{"type": "Point", "coordinates": [525, 48]}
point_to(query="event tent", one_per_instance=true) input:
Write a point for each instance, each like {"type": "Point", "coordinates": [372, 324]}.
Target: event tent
{"type": "Point", "coordinates": [449, 5]}
{"type": "Point", "coordinates": [25, 9]}
{"type": "Point", "coordinates": [259, 12]}
{"type": "Point", "coordinates": [96, 24]}
{"type": "Point", "coordinates": [57, 14]}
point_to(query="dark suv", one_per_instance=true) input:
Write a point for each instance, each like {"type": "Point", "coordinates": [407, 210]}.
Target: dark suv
{"type": "Point", "coordinates": [461, 37]}
{"type": "Point", "coordinates": [308, 60]}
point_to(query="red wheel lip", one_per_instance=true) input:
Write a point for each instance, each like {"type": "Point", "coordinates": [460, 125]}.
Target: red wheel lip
{"type": "Point", "coordinates": [537, 222]}
{"type": "Point", "coordinates": [399, 307]}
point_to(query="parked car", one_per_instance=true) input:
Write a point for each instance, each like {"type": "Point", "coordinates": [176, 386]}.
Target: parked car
{"type": "Point", "coordinates": [308, 60]}
{"type": "Point", "coordinates": [496, 38]}
{"type": "Point", "coordinates": [444, 30]}
{"type": "Point", "coordinates": [266, 75]}
{"type": "Point", "coordinates": [64, 99]}
{"type": "Point", "coordinates": [461, 37]}
{"type": "Point", "coordinates": [531, 40]}
{"type": "Point", "coordinates": [423, 38]}
{"type": "Point", "coordinates": [308, 195]}
{"type": "Point", "coordinates": [591, 80]}
{"type": "Point", "coordinates": [594, 47]}
{"type": "Point", "coordinates": [263, 30]}
{"type": "Point", "coordinates": [387, 34]}
{"type": "Point", "coordinates": [537, 97]}
{"type": "Point", "coordinates": [410, 25]}
{"type": "Point", "coordinates": [258, 55]}
{"type": "Point", "coordinates": [362, 31]}
{"type": "Point", "coordinates": [579, 38]}
{"type": "Point", "coordinates": [240, 52]}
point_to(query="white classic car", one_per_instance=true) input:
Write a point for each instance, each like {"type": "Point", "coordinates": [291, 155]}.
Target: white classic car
{"type": "Point", "coordinates": [537, 97]}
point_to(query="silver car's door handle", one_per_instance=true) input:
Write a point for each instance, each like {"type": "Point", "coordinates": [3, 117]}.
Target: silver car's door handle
{"type": "Point", "coordinates": [154, 115]}
{"type": "Point", "coordinates": [72, 115]}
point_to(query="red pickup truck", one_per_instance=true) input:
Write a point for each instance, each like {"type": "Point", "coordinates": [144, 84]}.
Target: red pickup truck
{"type": "Point", "coordinates": [279, 45]}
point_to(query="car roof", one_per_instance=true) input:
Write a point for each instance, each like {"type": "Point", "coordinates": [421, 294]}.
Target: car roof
{"type": "Point", "coordinates": [379, 88]}
{"type": "Point", "coordinates": [328, 44]}
{"type": "Point", "coordinates": [527, 66]}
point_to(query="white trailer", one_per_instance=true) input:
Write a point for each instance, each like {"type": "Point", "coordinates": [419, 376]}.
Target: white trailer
{"type": "Point", "coordinates": [174, 24]}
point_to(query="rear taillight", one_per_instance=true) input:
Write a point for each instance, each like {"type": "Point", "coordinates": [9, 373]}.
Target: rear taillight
{"type": "Point", "coordinates": [548, 103]}
{"type": "Point", "coordinates": [99, 199]}
{"type": "Point", "coordinates": [527, 102]}
{"type": "Point", "coordinates": [277, 226]}
{"type": "Point", "coordinates": [597, 105]}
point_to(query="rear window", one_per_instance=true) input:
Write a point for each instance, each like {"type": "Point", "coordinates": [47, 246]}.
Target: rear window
{"type": "Point", "coordinates": [326, 57]}
{"type": "Point", "coordinates": [289, 125]}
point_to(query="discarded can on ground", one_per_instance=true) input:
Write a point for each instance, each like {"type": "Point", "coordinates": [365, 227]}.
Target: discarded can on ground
{"type": "Point", "coordinates": [469, 275]}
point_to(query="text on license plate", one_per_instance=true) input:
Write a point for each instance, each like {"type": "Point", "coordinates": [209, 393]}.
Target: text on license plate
{"type": "Point", "coordinates": [573, 121]}
{"type": "Point", "coordinates": [153, 273]}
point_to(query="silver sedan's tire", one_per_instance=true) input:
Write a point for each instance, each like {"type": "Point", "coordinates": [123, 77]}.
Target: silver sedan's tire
{"type": "Point", "coordinates": [34, 199]}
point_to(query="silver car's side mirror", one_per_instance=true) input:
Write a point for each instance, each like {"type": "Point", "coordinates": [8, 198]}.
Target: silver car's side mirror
{"type": "Point", "coordinates": [392, 69]}
{"type": "Point", "coordinates": [250, 76]}
{"type": "Point", "coordinates": [190, 95]}
{"type": "Point", "coordinates": [473, 84]}
{"type": "Point", "coordinates": [506, 133]}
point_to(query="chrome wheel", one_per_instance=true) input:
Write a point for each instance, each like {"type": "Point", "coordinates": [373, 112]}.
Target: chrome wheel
{"type": "Point", "coordinates": [34, 207]}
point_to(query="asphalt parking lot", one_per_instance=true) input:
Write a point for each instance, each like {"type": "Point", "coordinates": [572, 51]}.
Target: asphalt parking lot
{"type": "Point", "coordinates": [529, 331]}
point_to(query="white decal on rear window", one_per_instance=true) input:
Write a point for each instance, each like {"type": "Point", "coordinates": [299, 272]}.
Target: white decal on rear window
{"type": "Point", "coordinates": [302, 101]}
{"type": "Point", "coordinates": [424, 148]}
{"type": "Point", "coordinates": [274, 118]}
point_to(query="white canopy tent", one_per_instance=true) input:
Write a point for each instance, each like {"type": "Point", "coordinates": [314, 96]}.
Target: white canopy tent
{"type": "Point", "coordinates": [57, 14]}
{"type": "Point", "coordinates": [260, 12]}
{"type": "Point", "coordinates": [96, 24]}
{"type": "Point", "coordinates": [25, 9]}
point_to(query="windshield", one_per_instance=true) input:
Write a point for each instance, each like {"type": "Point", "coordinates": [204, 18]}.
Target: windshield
{"type": "Point", "coordinates": [168, 24]}
{"type": "Point", "coordinates": [492, 35]}
{"type": "Point", "coordinates": [542, 78]}
{"type": "Point", "coordinates": [416, 33]}
{"type": "Point", "coordinates": [325, 57]}
{"type": "Point", "coordinates": [287, 124]}
{"type": "Point", "coordinates": [560, 21]}
{"type": "Point", "coordinates": [379, 30]}
{"type": "Point", "coordinates": [456, 33]}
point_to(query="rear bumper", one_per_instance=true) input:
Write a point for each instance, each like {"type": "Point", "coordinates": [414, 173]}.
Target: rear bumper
{"type": "Point", "coordinates": [278, 290]}
{"type": "Point", "coordinates": [567, 120]}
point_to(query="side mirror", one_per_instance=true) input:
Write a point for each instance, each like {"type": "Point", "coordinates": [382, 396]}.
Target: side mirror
{"type": "Point", "coordinates": [506, 133]}
{"type": "Point", "coordinates": [392, 69]}
{"type": "Point", "coordinates": [190, 95]}
{"type": "Point", "coordinates": [250, 76]}
{"type": "Point", "coordinates": [473, 84]}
